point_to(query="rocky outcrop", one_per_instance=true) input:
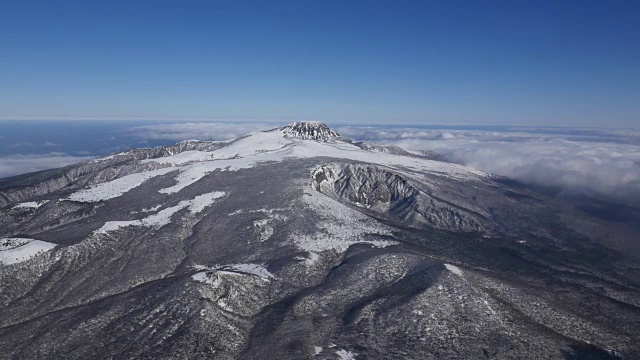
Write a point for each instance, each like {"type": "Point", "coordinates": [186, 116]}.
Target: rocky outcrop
{"type": "Point", "coordinates": [310, 130]}
{"type": "Point", "coordinates": [393, 196]}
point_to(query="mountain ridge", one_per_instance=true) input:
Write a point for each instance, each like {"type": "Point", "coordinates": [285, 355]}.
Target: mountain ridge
{"type": "Point", "coordinates": [298, 243]}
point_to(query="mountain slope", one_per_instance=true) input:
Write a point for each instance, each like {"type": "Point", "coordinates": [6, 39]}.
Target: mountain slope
{"type": "Point", "coordinates": [298, 243]}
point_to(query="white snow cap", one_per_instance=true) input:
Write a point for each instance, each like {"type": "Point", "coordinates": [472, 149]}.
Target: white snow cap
{"type": "Point", "coordinates": [310, 130]}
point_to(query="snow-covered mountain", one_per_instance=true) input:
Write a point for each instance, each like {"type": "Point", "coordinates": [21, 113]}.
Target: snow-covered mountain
{"type": "Point", "coordinates": [298, 243]}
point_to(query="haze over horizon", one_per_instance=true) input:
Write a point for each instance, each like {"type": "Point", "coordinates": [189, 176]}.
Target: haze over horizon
{"type": "Point", "coordinates": [495, 63]}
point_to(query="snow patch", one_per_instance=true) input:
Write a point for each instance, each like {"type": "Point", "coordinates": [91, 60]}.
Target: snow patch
{"type": "Point", "coordinates": [206, 278]}
{"type": "Point", "coordinates": [312, 258]}
{"type": "Point", "coordinates": [454, 269]}
{"type": "Point", "coordinates": [115, 188]}
{"type": "Point", "coordinates": [163, 217]}
{"type": "Point", "coordinates": [346, 355]}
{"type": "Point", "coordinates": [16, 250]}
{"type": "Point", "coordinates": [149, 209]}
{"type": "Point", "coordinates": [341, 227]}
{"type": "Point", "coordinates": [253, 269]}
{"type": "Point", "coordinates": [30, 204]}
{"type": "Point", "coordinates": [249, 146]}
{"type": "Point", "coordinates": [186, 177]}
{"type": "Point", "coordinates": [115, 225]}
{"type": "Point", "coordinates": [200, 202]}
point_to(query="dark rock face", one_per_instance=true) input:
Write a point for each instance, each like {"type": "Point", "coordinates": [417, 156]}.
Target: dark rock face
{"type": "Point", "coordinates": [310, 130]}
{"type": "Point", "coordinates": [394, 197]}
{"type": "Point", "coordinates": [277, 247]}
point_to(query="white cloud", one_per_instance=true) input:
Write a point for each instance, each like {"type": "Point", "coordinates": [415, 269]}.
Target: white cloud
{"type": "Point", "coordinates": [20, 164]}
{"type": "Point", "coordinates": [199, 131]}
{"type": "Point", "coordinates": [605, 163]}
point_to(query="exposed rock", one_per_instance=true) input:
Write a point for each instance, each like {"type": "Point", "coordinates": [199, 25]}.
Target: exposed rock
{"type": "Point", "coordinates": [393, 196]}
{"type": "Point", "coordinates": [310, 130]}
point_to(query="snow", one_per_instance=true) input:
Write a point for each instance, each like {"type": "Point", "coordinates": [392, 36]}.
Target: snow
{"type": "Point", "coordinates": [317, 350]}
{"type": "Point", "coordinates": [11, 243]}
{"type": "Point", "coordinates": [250, 151]}
{"type": "Point", "coordinates": [274, 146]}
{"type": "Point", "coordinates": [253, 269]}
{"type": "Point", "coordinates": [251, 145]}
{"type": "Point", "coordinates": [454, 269]}
{"type": "Point", "coordinates": [256, 143]}
{"type": "Point", "coordinates": [163, 217]}
{"type": "Point", "coordinates": [149, 209]}
{"type": "Point", "coordinates": [30, 204]}
{"type": "Point", "coordinates": [16, 250]}
{"type": "Point", "coordinates": [115, 225]}
{"type": "Point", "coordinates": [200, 202]}
{"type": "Point", "coordinates": [343, 150]}
{"type": "Point", "coordinates": [346, 355]}
{"type": "Point", "coordinates": [312, 258]}
{"type": "Point", "coordinates": [206, 278]}
{"type": "Point", "coordinates": [109, 157]}
{"type": "Point", "coordinates": [341, 227]}
{"type": "Point", "coordinates": [200, 276]}
{"type": "Point", "coordinates": [156, 220]}
{"type": "Point", "coordinates": [114, 188]}
{"type": "Point", "coordinates": [186, 177]}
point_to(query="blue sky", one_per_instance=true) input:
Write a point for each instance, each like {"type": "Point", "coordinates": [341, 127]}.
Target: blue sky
{"type": "Point", "coordinates": [574, 63]}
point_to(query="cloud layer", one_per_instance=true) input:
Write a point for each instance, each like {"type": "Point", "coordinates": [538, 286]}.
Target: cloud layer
{"type": "Point", "coordinates": [604, 163]}
{"type": "Point", "coordinates": [20, 164]}
{"type": "Point", "coordinates": [199, 131]}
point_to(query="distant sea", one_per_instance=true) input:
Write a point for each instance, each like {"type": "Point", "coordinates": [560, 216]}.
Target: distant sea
{"type": "Point", "coordinates": [73, 138]}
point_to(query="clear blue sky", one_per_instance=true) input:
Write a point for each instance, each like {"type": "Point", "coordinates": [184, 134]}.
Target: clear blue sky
{"type": "Point", "coordinates": [443, 62]}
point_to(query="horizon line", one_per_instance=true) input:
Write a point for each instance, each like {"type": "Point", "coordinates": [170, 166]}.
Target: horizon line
{"type": "Point", "coordinates": [336, 122]}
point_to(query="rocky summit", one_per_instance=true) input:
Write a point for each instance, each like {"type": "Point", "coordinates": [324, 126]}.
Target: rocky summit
{"type": "Point", "coordinates": [310, 130]}
{"type": "Point", "coordinates": [296, 243]}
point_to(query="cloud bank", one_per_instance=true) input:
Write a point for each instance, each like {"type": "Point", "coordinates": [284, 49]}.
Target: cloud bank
{"type": "Point", "coordinates": [603, 163]}
{"type": "Point", "coordinates": [19, 164]}
{"type": "Point", "coordinates": [199, 131]}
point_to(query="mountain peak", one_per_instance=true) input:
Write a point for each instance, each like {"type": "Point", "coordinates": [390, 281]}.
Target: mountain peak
{"type": "Point", "coordinates": [310, 130]}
